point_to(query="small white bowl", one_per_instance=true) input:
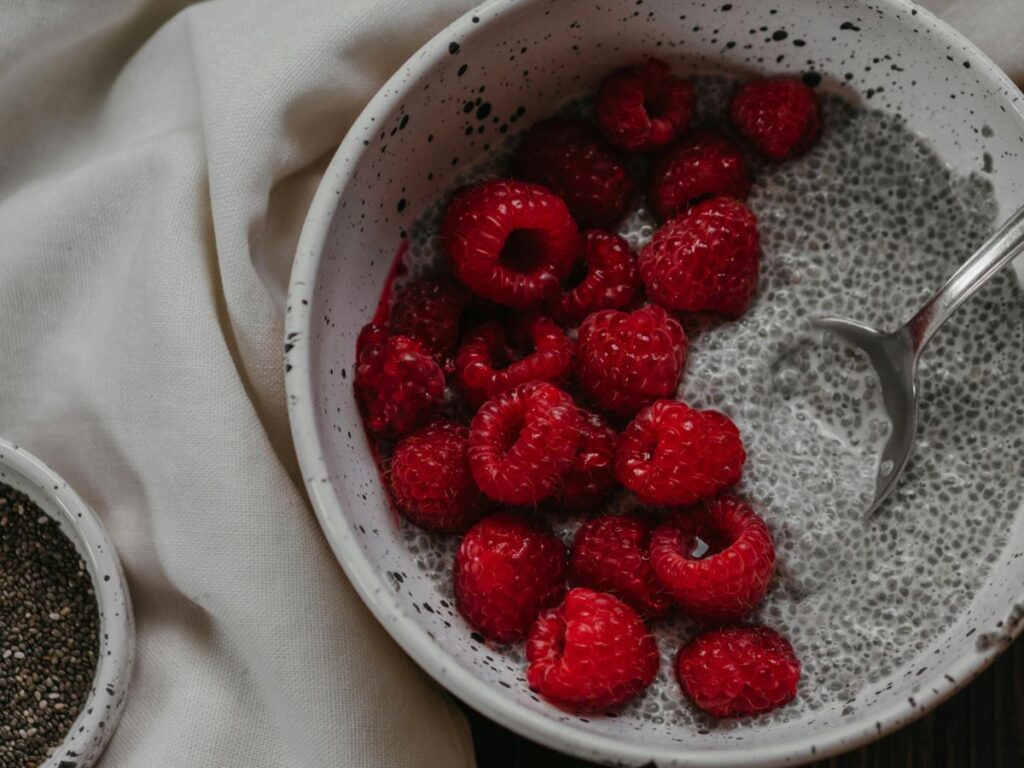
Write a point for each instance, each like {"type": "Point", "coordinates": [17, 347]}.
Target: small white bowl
{"type": "Point", "coordinates": [102, 709]}
{"type": "Point", "coordinates": [426, 126]}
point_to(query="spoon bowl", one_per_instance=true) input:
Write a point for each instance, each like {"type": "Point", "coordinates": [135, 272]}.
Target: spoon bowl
{"type": "Point", "coordinates": [895, 355]}
{"type": "Point", "coordinates": [891, 355]}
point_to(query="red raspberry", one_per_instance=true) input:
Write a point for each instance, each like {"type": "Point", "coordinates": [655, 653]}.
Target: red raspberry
{"type": "Point", "coordinates": [626, 360]}
{"type": "Point", "coordinates": [591, 653]}
{"type": "Point", "coordinates": [739, 671]}
{"type": "Point", "coordinates": [705, 260]}
{"type": "Point", "coordinates": [590, 480]}
{"type": "Point", "coordinates": [510, 242]}
{"type": "Point", "coordinates": [780, 116]}
{"type": "Point", "coordinates": [522, 443]}
{"type": "Point", "coordinates": [644, 107]}
{"type": "Point", "coordinates": [704, 166]}
{"type": "Point", "coordinates": [729, 577]}
{"type": "Point", "coordinates": [611, 280]}
{"type": "Point", "coordinates": [486, 365]}
{"type": "Point", "coordinates": [568, 157]}
{"type": "Point", "coordinates": [672, 454]}
{"type": "Point", "coordinates": [429, 312]}
{"type": "Point", "coordinates": [430, 478]}
{"type": "Point", "coordinates": [397, 381]}
{"type": "Point", "coordinates": [611, 554]}
{"type": "Point", "coordinates": [507, 570]}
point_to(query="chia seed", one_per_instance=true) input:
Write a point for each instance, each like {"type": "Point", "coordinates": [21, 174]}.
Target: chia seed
{"type": "Point", "coordinates": [49, 632]}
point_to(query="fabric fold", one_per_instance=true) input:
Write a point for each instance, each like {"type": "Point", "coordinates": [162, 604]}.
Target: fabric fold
{"type": "Point", "coordinates": [155, 167]}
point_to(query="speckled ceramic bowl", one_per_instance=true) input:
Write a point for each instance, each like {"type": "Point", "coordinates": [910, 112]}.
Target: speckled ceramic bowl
{"type": "Point", "coordinates": [101, 712]}
{"type": "Point", "coordinates": [426, 125]}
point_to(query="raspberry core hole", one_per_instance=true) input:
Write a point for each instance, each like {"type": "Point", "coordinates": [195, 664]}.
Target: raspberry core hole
{"type": "Point", "coordinates": [521, 251]}
{"type": "Point", "coordinates": [654, 102]}
{"type": "Point", "coordinates": [510, 431]}
{"type": "Point", "coordinates": [502, 357]}
{"type": "Point", "coordinates": [700, 546]}
{"type": "Point", "coordinates": [519, 345]}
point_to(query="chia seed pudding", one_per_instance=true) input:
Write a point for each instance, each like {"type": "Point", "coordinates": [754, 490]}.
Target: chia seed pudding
{"type": "Point", "coordinates": [865, 226]}
{"type": "Point", "coordinates": [49, 632]}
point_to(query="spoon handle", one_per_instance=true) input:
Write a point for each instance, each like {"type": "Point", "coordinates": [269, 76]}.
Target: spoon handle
{"type": "Point", "coordinates": [999, 250]}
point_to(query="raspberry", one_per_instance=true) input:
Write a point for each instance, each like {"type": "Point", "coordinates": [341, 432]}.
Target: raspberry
{"type": "Point", "coordinates": [729, 577]}
{"type": "Point", "coordinates": [397, 381]}
{"type": "Point", "coordinates": [590, 480]}
{"type": "Point", "coordinates": [672, 454]}
{"type": "Point", "coordinates": [611, 279]}
{"type": "Point", "coordinates": [429, 312]}
{"type": "Point", "coordinates": [486, 365]}
{"type": "Point", "coordinates": [705, 166]}
{"type": "Point", "coordinates": [568, 157]}
{"type": "Point", "coordinates": [626, 360]}
{"type": "Point", "coordinates": [510, 242]}
{"type": "Point", "coordinates": [522, 443]}
{"type": "Point", "coordinates": [507, 570]}
{"type": "Point", "coordinates": [430, 478]}
{"type": "Point", "coordinates": [739, 671]}
{"type": "Point", "coordinates": [591, 653]}
{"type": "Point", "coordinates": [780, 116]}
{"type": "Point", "coordinates": [644, 107]}
{"type": "Point", "coordinates": [611, 554]}
{"type": "Point", "coordinates": [705, 260]}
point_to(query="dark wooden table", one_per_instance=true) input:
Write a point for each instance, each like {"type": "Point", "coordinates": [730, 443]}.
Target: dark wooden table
{"type": "Point", "coordinates": [980, 727]}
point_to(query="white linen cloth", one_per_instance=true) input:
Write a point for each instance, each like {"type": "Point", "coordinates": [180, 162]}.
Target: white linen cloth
{"type": "Point", "coordinates": [155, 166]}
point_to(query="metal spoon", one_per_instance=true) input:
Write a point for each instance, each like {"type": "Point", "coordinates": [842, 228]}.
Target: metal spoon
{"type": "Point", "coordinates": [895, 355]}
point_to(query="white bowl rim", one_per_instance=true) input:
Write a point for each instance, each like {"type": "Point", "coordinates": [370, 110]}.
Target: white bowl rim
{"type": "Point", "coordinates": [413, 639]}
{"type": "Point", "coordinates": [95, 724]}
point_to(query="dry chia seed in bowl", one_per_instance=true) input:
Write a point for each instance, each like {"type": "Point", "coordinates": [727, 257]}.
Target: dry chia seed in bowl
{"type": "Point", "coordinates": [49, 632]}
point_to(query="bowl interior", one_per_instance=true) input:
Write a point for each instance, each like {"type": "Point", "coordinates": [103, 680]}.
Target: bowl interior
{"type": "Point", "coordinates": [506, 66]}
{"type": "Point", "coordinates": [102, 709]}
